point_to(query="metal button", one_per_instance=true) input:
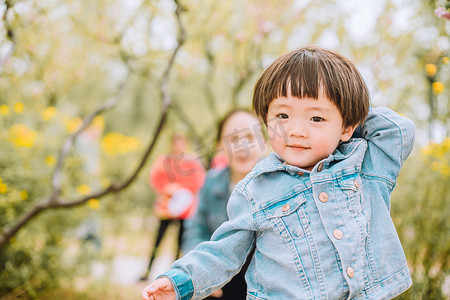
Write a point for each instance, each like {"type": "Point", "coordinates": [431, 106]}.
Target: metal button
{"type": "Point", "coordinates": [320, 167]}
{"type": "Point", "coordinates": [285, 207]}
{"type": "Point", "coordinates": [338, 234]}
{"type": "Point", "coordinates": [300, 173]}
{"type": "Point", "coordinates": [323, 197]}
{"type": "Point", "coordinates": [350, 272]}
{"type": "Point", "coordinates": [356, 183]}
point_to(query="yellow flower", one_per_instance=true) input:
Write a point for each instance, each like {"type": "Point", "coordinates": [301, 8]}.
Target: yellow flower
{"type": "Point", "coordinates": [73, 124]}
{"type": "Point", "coordinates": [48, 113]}
{"type": "Point", "coordinates": [22, 136]}
{"type": "Point", "coordinates": [438, 87]}
{"type": "Point", "coordinates": [93, 203]}
{"type": "Point", "coordinates": [445, 60]}
{"type": "Point", "coordinates": [427, 150]}
{"type": "Point", "coordinates": [445, 171]}
{"type": "Point", "coordinates": [431, 69]}
{"type": "Point", "coordinates": [18, 107]}
{"type": "Point", "coordinates": [3, 188]}
{"type": "Point", "coordinates": [83, 189]}
{"type": "Point", "coordinates": [99, 122]}
{"type": "Point", "coordinates": [437, 156]}
{"type": "Point", "coordinates": [23, 195]}
{"type": "Point", "coordinates": [437, 151]}
{"type": "Point", "coordinates": [446, 143]}
{"type": "Point", "coordinates": [4, 110]}
{"type": "Point", "coordinates": [435, 166]}
{"type": "Point", "coordinates": [50, 160]}
{"type": "Point", "coordinates": [115, 143]}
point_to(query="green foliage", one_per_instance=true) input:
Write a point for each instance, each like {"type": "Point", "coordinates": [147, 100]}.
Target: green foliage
{"type": "Point", "coordinates": [421, 212]}
{"type": "Point", "coordinates": [48, 253]}
{"type": "Point", "coordinates": [33, 261]}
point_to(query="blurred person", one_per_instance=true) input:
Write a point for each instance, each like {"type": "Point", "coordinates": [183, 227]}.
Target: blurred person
{"type": "Point", "coordinates": [176, 178]}
{"type": "Point", "coordinates": [241, 145]}
{"type": "Point", "coordinates": [314, 216]}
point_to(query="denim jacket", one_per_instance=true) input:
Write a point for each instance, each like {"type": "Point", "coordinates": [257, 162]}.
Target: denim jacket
{"type": "Point", "coordinates": [212, 209]}
{"type": "Point", "coordinates": [324, 234]}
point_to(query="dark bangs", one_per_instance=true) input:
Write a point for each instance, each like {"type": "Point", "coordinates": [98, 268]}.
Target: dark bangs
{"type": "Point", "coordinates": [306, 73]}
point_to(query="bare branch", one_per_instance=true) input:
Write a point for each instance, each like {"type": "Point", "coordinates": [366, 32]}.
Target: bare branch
{"type": "Point", "coordinates": [56, 179]}
{"type": "Point", "coordinates": [167, 101]}
{"type": "Point", "coordinates": [54, 201]}
{"type": "Point", "coordinates": [198, 140]}
{"type": "Point", "coordinates": [253, 56]}
{"type": "Point", "coordinates": [210, 97]}
{"type": "Point", "coordinates": [9, 33]}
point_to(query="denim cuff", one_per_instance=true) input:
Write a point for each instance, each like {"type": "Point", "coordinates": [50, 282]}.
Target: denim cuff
{"type": "Point", "coordinates": [182, 283]}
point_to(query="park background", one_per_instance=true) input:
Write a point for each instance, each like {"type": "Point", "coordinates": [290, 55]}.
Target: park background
{"type": "Point", "coordinates": [90, 92]}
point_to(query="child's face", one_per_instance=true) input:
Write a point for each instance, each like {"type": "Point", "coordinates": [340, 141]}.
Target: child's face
{"type": "Point", "coordinates": [305, 131]}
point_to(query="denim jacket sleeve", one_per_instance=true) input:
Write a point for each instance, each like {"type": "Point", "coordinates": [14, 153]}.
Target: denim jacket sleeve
{"type": "Point", "coordinates": [213, 263]}
{"type": "Point", "coordinates": [390, 139]}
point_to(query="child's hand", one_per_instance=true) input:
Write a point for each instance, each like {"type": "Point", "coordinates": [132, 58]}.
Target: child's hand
{"type": "Point", "coordinates": [217, 294]}
{"type": "Point", "coordinates": [160, 289]}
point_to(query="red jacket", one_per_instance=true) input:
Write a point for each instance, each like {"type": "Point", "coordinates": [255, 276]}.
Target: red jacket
{"type": "Point", "coordinates": [176, 175]}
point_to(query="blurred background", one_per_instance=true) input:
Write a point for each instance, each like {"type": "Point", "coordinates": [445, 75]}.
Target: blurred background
{"type": "Point", "coordinates": [83, 87]}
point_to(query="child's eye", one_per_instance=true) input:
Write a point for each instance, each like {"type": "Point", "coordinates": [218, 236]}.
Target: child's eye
{"type": "Point", "coordinates": [317, 119]}
{"type": "Point", "coordinates": [282, 116]}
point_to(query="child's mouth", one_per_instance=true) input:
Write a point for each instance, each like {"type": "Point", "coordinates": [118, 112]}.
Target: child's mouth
{"type": "Point", "coordinates": [297, 147]}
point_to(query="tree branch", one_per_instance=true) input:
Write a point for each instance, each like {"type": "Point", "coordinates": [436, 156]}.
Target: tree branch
{"type": "Point", "coordinates": [198, 140]}
{"type": "Point", "coordinates": [11, 36]}
{"type": "Point", "coordinates": [210, 97]}
{"type": "Point", "coordinates": [56, 179]}
{"type": "Point", "coordinates": [54, 201]}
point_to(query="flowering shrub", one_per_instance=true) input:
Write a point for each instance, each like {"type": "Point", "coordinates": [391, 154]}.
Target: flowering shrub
{"type": "Point", "coordinates": [421, 212]}
{"type": "Point", "coordinates": [42, 256]}
{"type": "Point", "coordinates": [114, 143]}
{"type": "Point", "coordinates": [22, 136]}
{"type": "Point", "coordinates": [437, 157]}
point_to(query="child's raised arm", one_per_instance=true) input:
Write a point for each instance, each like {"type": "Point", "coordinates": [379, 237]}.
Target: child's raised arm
{"type": "Point", "coordinates": [390, 137]}
{"type": "Point", "coordinates": [161, 289]}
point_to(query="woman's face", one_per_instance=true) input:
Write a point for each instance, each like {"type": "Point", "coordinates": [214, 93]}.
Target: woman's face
{"type": "Point", "coordinates": [243, 142]}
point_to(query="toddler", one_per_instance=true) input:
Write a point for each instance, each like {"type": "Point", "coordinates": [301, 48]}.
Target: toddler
{"type": "Point", "coordinates": [315, 213]}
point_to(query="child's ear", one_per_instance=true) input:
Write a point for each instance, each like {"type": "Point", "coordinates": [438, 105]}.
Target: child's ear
{"type": "Point", "coordinates": [347, 132]}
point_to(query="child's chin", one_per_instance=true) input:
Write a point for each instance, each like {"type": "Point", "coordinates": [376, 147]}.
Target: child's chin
{"type": "Point", "coordinates": [300, 164]}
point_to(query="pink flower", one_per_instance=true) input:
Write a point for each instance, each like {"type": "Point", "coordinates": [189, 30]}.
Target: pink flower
{"type": "Point", "coordinates": [442, 13]}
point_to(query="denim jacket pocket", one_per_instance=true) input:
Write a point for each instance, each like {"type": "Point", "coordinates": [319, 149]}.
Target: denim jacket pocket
{"type": "Point", "coordinates": [289, 216]}
{"type": "Point", "coordinates": [351, 186]}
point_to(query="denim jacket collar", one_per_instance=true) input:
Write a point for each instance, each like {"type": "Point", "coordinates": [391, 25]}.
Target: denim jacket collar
{"type": "Point", "coordinates": [352, 152]}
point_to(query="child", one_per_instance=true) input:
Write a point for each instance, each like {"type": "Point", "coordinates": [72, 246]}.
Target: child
{"type": "Point", "coordinates": [316, 212]}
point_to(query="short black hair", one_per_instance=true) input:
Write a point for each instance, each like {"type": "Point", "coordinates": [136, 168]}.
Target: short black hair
{"type": "Point", "coordinates": [311, 70]}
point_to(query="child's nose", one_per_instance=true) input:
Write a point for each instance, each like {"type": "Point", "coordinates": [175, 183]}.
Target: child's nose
{"type": "Point", "coordinates": [298, 129]}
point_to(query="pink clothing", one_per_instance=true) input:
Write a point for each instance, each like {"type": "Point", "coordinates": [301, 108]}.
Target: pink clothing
{"type": "Point", "coordinates": [219, 162]}
{"type": "Point", "coordinates": [169, 175]}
